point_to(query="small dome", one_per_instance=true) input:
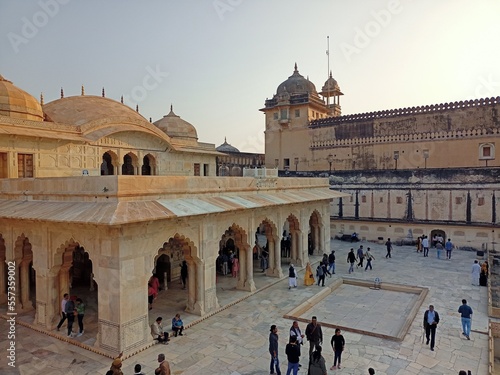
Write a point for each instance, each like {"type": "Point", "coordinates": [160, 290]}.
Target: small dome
{"type": "Point", "coordinates": [226, 147]}
{"type": "Point", "coordinates": [17, 103]}
{"type": "Point", "coordinates": [331, 87]}
{"type": "Point", "coordinates": [296, 84]}
{"type": "Point", "coordinates": [175, 127]}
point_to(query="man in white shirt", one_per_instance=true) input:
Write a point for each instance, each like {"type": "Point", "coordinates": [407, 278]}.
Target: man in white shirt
{"type": "Point", "coordinates": [425, 246]}
{"type": "Point", "coordinates": [158, 333]}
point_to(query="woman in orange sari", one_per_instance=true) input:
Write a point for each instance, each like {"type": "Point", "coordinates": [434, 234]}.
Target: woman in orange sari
{"type": "Point", "coordinates": [308, 276]}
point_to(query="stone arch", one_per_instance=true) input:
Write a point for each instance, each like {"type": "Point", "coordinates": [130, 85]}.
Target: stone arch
{"type": "Point", "coordinates": [109, 163]}
{"type": "Point", "coordinates": [314, 238]}
{"type": "Point", "coordinates": [179, 248]}
{"type": "Point", "coordinates": [437, 232]}
{"type": "Point", "coordinates": [148, 167]}
{"type": "Point", "coordinates": [272, 234]}
{"type": "Point", "coordinates": [130, 164]}
{"type": "Point", "coordinates": [23, 256]}
{"type": "Point", "coordinates": [73, 273]}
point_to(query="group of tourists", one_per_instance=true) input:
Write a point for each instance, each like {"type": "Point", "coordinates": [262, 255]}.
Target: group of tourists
{"type": "Point", "coordinates": [437, 242]}
{"type": "Point", "coordinates": [161, 335]}
{"type": "Point", "coordinates": [162, 369]}
{"type": "Point", "coordinates": [227, 263]}
{"type": "Point", "coordinates": [316, 361]}
{"type": "Point", "coordinates": [71, 308]}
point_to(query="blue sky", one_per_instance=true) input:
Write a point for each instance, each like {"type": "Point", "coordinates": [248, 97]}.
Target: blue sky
{"type": "Point", "coordinates": [217, 61]}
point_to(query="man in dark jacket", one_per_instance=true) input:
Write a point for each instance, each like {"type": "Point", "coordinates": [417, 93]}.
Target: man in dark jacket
{"type": "Point", "coordinates": [292, 351]}
{"type": "Point", "coordinates": [273, 350]}
{"type": "Point", "coordinates": [431, 320]}
{"type": "Point", "coordinates": [351, 258]}
{"type": "Point", "coordinates": [314, 334]}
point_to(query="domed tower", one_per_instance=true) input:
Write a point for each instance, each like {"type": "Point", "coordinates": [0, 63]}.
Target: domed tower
{"type": "Point", "coordinates": [331, 89]}
{"type": "Point", "coordinates": [17, 103]}
{"type": "Point", "coordinates": [179, 130]}
{"type": "Point", "coordinates": [288, 114]}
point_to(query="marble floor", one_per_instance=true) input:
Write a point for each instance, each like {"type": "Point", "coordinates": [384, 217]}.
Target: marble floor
{"type": "Point", "coordinates": [235, 341]}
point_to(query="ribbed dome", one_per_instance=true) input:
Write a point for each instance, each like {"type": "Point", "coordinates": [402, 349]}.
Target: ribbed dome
{"type": "Point", "coordinates": [81, 110]}
{"type": "Point", "coordinates": [226, 147]}
{"type": "Point", "coordinates": [17, 103]}
{"type": "Point", "coordinates": [296, 84]}
{"type": "Point", "coordinates": [175, 127]}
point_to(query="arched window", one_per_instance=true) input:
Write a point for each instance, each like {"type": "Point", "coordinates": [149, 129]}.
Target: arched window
{"type": "Point", "coordinates": [486, 151]}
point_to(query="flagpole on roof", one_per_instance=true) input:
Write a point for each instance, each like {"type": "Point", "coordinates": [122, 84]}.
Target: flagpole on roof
{"type": "Point", "coordinates": [328, 70]}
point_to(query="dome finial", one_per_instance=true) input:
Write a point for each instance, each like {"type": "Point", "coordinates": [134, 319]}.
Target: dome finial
{"type": "Point", "coordinates": [171, 107]}
{"type": "Point", "coordinates": [225, 141]}
{"type": "Point", "coordinates": [296, 70]}
{"type": "Point", "coordinates": [150, 119]}
{"type": "Point", "coordinates": [83, 90]}
{"type": "Point", "coordinates": [62, 93]}
{"type": "Point", "coordinates": [41, 98]}
{"type": "Point", "coordinates": [137, 108]}
{"type": "Point", "coordinates": [121, 99]}
{"type": "Point", "coordinates": [103, 93]}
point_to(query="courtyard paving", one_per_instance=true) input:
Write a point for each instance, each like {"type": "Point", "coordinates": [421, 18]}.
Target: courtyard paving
{"type": "Point", "coordinates": [235, 340]}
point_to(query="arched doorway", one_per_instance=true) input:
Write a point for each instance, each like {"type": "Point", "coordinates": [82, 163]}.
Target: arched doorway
{"type": "Point", "coordinates": [75, 276]}
{"type": "Point", "coordinates": [437, 234]}
{"type": "Point", "coordinates": [129, 164]}
{"type": "Point", "coordinates": [26, 284]}
{"type": "Point", "coordinates": [167, 268]}
{"type": "Point", "coordinates": [271, 251]}
{"type": "Point", "coordinates": [314, 238]}
{"type": "Point", "coordinates": [107, 167]}
{"type": "Point", "coordinates": [148, 165]}
{"type": "Point", "coordinates": [235, 259]}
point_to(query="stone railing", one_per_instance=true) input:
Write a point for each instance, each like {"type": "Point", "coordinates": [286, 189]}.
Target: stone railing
{"type": "Point", "coordinates": [405, 111]}
{"type": "Point", "coordinates": [405, 137]}
{"type": "Point", "coordinates": [260, 172]}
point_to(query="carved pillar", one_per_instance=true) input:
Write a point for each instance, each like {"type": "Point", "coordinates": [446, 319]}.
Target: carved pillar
{"type": "Point", "coordinates": [192, 281]}
{"type": "Point", "coordinates": [165, 286]}
{"type": "Point", "coordinates": [48, 301]}
{"type": "Point", "coordinates": [301, 250]}
{"type": "Point", "coordinates": [25, 285]}
{"type": "Point", "coordinates": [250, 284]}
{"type": "Point", "coordinates": [199, 305]}
{"type": "Point", "coordinates": [271, 256]}
{"type": "Point", "coordinates": [274, 258]}
{"type": "Point", "coordinates": [316, 239]}
{"type": "Point", "coordinates": [64, 280]}
{"type": "Point", "coordinates": [294, 247]}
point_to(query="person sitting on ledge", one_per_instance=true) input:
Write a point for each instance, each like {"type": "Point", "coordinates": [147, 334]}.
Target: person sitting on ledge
{"type": "Point", "coordinates": [157, 331]}
{"type": "Point", "coordinates": [177, 325]}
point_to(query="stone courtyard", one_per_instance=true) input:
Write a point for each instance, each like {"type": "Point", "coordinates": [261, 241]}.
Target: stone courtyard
{"type": "Point", "coordinates": [235, 339]}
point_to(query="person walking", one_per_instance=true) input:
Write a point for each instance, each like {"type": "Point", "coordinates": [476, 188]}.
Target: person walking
{"type": "Point", "coordinates": [308, 275]}
{"type": "Point", "coordinates": [314, 335]}
{"type": "Point", "coordinates": [431, 320]}
{"type": "Point", "coordinates": [317, 364]}
{"type": "Point", "coordinates": [273, 350]}
{"type": "Point", "coordinates": [388, 245]}
{"type": "Point", "coordinates": [63, 310]}
{"type": "Point", "coordinates": [338, 344]}
{"type": "Point", "coordinates": [448, 246]}
{"type": "Point", "coordinates": [351, 258]}
{"type": "Point", "coordinates": [466, 317]}
{"type": "Point", "coordinates": [331, 263]}
{"type": "Point", "coordinates": [369, 257]}
{"type": "Point", "coordinates": [292, 277]}
{"type": "Point", "coordinates": [295, 331]}
{"type": "Point", "coordinates": [361, 256]}
{"type": "Point", "coordinates": [320, 273]}
{"type": "Point", "coordinates": [439, 249]}
{"type": "Point", "coordinates": [292, 352]}
{"type": "Point", "coordinates": [425, 246]}
{"type": "Point", "coordinates": [475, 273]}
{"type": "Point", "coordinates": [80, 309]}
{"type": "Point", "coordinates": [236, 266]}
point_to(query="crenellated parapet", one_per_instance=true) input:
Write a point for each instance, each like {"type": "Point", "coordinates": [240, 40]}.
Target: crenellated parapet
{"type": "Point", "coordinates": [408, 111]}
